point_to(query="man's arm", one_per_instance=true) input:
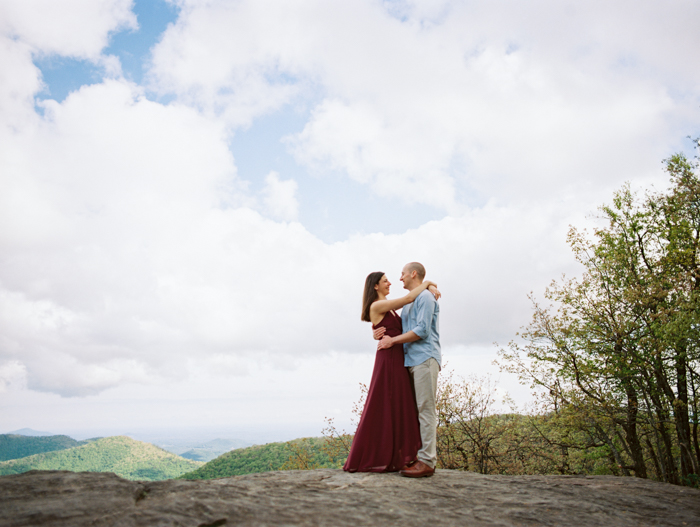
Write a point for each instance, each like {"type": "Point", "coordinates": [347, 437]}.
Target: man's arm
{"type": "Point", "coordinates": [379, 332]}
{"type": "Point", "coordinates": [425, 306]}
{"type": "Point", "coordinates": [388, 342]}
{"type": "Point", "coordinates": [425, 311]}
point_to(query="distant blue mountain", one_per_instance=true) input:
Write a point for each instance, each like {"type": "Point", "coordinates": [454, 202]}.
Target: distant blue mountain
{"type": "Point", "coordinates": [210, 450]}
{"type": "Point", "coordinates": [30, 432]}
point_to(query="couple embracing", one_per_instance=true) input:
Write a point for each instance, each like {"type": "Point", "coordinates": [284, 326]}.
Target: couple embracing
{"type": "Point", "coordinates": [397, 430]}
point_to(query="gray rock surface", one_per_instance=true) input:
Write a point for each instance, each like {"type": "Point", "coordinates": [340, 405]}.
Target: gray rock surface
{"type": "Point", "coordinates": [333, 497]}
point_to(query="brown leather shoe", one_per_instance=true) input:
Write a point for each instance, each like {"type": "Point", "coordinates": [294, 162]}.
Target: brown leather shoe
{"type": "Point", "coordinates": [419, 470]}
{"type": "Point", "coordinates": [409, 464]}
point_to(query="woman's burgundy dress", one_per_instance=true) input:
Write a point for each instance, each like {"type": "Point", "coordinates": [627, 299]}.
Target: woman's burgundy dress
{"type": "Point", "coordinates": [388, 435]}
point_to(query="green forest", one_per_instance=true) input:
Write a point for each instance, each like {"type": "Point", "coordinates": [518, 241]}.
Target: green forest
{"type": "Point", "coordinates": [14, 446]}
{"type": "Point", "coordinates": [305, 453]}
{"type": "Point", "coordinates": [125, 457]}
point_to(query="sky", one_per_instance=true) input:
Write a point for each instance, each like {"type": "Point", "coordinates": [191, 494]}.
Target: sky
{"type": "Point", "coordinates": [193, 191]}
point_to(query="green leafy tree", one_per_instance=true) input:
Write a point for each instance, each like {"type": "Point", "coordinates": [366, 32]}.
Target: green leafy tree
{"type": "Point", "coordinates": [616, 351]}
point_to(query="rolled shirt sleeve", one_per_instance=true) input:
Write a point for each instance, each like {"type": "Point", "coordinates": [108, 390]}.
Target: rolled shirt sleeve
{"type": "Point", "coordinates": [422, 317]}
{"type": "Point", "coordinates": [425, 310]}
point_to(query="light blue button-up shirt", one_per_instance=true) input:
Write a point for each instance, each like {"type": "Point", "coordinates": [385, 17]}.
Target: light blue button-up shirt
{"type": "Point", "coordinates": [422, 317]}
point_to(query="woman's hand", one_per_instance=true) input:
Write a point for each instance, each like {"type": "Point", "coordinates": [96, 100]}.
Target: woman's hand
{"type": "Point", "coordinates": [434, 290]}
{"type": "Point", "coordinates": [385, 343]}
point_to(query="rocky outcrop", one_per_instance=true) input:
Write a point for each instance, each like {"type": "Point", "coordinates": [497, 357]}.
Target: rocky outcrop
{"type": "Point", "coordinates": [333, 497]}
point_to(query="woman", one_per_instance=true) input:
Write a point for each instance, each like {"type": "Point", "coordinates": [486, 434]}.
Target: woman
{"type": "Point", "coordinates": [388, 436]}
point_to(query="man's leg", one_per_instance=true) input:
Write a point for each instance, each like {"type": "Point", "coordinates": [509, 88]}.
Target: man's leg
{"type": "Point", "coordinates": [424, 377]}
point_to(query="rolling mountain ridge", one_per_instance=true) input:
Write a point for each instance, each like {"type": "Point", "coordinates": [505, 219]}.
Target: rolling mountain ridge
{"type": "Point", "coordinates": [121, 455]}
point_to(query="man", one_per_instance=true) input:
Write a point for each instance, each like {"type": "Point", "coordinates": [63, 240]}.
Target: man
{"type": "Point", "coordinates": [421, 344]}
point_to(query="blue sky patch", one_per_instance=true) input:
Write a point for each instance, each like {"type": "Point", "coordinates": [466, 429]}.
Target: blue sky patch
{"type": "Point", "coordinates": [63, 75]}
{"type": "Point", "coordinates": [133, 47]}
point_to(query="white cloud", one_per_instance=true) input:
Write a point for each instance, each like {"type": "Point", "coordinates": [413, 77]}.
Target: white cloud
{"type": "Point", "coordinates": [225, 73]}
{"type": "Point", "coordinates": [37, 28]}
{"type": "Point", "coordinates": [12, 376]}
{"type": "Point", "coordinates": [433, 100]}
{"type": "Point", "coordinates": [76, 28]}
{"type": "Point", "coordinates": [132, 252]}
{"type": "Point", "coordinates": [279, 197]}
{"type": "Point", "coordinates": [127, 258]}
{"type": "Point", "coordinates": [353, 140]}
{"type": "Point", "coordinates": [19, 81]}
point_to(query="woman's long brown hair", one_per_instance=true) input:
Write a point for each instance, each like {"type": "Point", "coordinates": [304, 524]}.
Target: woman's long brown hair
{"type": "Point", "coordinates": [370, 294]}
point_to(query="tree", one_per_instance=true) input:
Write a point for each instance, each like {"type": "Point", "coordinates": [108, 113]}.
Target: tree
{"type": "Point", "coordinates": [617, 349]}
{"type": "Point", "coordinates": [468, 427]}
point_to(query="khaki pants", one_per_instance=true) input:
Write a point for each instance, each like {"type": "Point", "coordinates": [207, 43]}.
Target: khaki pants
{"type": "Point", "coordinates": [424, 378]}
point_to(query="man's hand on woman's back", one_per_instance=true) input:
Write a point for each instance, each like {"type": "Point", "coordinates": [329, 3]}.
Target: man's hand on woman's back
{"type": "Point", "coordinates": [379, 333]}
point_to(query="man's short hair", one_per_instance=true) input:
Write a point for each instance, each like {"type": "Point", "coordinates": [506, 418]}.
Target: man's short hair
{"type": "Point", "coordinates": [418, 268]}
